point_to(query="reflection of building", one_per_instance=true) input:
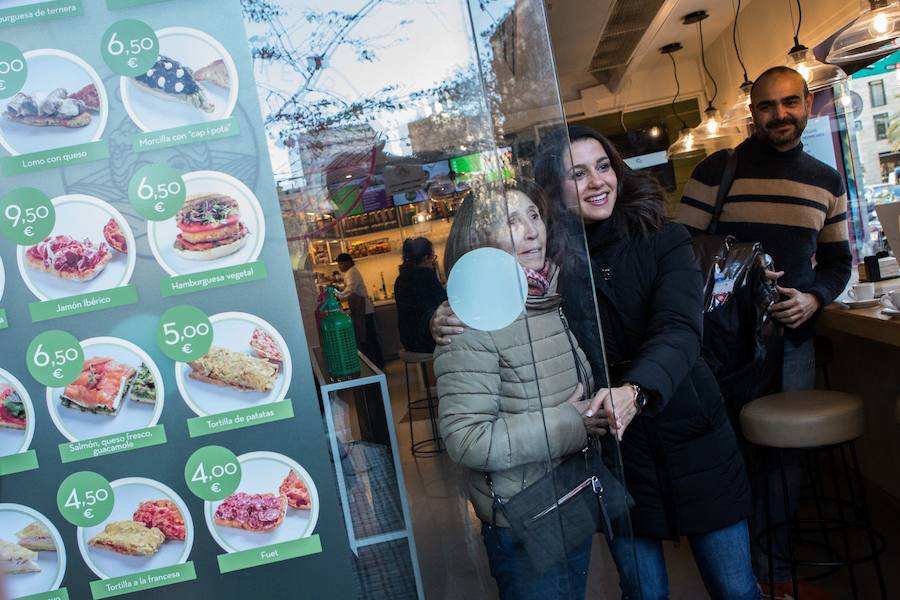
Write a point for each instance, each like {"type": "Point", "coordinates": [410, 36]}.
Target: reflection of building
{"type": "Point", "coordinates": [879, 88]}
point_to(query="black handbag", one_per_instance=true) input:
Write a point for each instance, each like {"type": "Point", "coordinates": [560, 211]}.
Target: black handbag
{"type": "Point", "coordinates": [565, 507]}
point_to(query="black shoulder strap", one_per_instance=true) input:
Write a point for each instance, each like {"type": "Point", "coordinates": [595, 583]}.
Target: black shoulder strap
{"type": "Point", "coordinates": [724, 188]}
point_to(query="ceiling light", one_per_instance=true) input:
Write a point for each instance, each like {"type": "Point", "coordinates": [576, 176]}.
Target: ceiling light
{"type": "Point", "coordinates": [686, 146]}
{"type": "Point", "coordinates": [711, 127]}
{"type": "Point", "coordinates": [739, 114]}
{"type": "Point", "coordinates": [817, 74]}
{"type": "Point", "coordinates": [874, 34]}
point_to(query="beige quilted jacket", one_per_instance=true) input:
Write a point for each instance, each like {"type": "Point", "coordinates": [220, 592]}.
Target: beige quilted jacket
{"type": "Point", "coordinates": [497, 391]}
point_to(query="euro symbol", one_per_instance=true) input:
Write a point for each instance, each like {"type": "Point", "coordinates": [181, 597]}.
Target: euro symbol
{"type": "Point", "coordinates": [57, 373]}
{"type": "Point", "coordinates": [186, 348]}
{"type": "Point", "coordinates": [29, 231]}
{"type": "Point", "coordinates": [216, 488]}
{"type": "Point", "coordinates": [159, 207]}
{"type": "Point", "coordinates": [132, 62]}
{"type": "Point", "coordinates": [89, 513]}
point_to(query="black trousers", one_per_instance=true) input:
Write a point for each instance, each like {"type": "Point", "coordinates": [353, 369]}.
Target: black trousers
{"type": "Point", "coordinates": [371, 347]}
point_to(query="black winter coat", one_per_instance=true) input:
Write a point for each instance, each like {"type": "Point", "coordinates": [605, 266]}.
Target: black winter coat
{"type": "Point", "coordinates": [682, 462]}
{"type": "Point", "coordinates": [417, 293]}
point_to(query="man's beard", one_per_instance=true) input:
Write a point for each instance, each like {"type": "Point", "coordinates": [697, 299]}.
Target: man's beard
{"type": "Point", "coordinates": [769, 134]}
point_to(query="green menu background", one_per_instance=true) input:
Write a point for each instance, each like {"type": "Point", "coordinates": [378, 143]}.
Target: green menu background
{"type": "Point", "coordinates": [324, 575]}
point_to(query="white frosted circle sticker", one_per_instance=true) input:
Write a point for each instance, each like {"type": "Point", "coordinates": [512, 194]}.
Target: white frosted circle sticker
{"type": "Point", "coordinates": [487, 289]}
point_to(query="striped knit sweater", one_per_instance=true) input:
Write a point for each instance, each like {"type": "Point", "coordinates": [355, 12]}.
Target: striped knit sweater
{"type": "Point", "coordinates": [792, 203]}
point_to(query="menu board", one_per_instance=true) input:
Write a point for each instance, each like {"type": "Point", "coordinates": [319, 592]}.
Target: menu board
{"type": "Point", "coordinates": [159, 425]}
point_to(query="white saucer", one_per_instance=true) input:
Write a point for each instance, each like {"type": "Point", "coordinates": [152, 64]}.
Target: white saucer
{"type": "Point", "coordinates": [891, 312]}
{"type": "Point", "coordinates": [861, 303]}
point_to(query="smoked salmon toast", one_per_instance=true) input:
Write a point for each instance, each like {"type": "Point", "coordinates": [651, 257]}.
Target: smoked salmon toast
{"type": "Point", "coordinates": [100, 387]}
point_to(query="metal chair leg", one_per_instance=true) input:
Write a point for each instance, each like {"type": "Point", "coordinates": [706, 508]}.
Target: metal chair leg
{"type": "Point", "coordinates": [769, 548]}
{"type": "Point", "coordinates": [788, 522]}
{"type": "Point", "coordinates": [864, 507]}
{"type": "Point", "coordinates": [844, 523]}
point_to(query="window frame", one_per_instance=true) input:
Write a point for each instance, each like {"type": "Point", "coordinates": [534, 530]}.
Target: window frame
{"type": "Point", "coordinates": [873, 85]}
{"type": "Point", "coordinates": [883, 119]}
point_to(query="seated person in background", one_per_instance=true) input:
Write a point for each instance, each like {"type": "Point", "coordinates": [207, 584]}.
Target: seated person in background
{"type": "Point", "coordinates": [417, 292]}
{"type": "Point", "coordinates": [362, 311]}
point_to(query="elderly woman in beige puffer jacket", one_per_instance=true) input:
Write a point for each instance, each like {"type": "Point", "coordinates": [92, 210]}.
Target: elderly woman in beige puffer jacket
{"type": "Point", "coordinates": [505, 394]}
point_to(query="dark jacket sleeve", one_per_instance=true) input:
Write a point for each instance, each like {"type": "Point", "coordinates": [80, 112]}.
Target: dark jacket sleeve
{"type": "Point", "coordinates": [672, 341]}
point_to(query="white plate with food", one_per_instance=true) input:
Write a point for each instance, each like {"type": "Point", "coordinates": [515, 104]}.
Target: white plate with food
{"type": "Point", "coordinates": [90, 249]}
{"type": "Point", "coordinates": [31, 551]}
{"type": "Point", "coordinates": [63, 103]}
{"type": "Point", "coordinates": [16, 415]}
{"type": "Point", "coordinates": [150, 527]}
{"type": "Point", "coordinates": [220, 225]}
{"type": "Point", "coordinates": [194, 80]}
{"type": "Point", "coordinates": [120, 389]}
{"type": "Point", "coordinates": [2, 279]}
{"type": "Point", "coordinates": [282, 499]}
{"type": "Point", "coordinates": [248, 365]}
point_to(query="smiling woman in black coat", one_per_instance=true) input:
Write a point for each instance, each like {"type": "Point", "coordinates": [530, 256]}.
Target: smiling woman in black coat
{"type": "Point", "coordinates": [682, 463]}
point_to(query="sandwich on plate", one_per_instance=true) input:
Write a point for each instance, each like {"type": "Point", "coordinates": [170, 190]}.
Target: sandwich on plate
{"type": "Point", "coordinates": [251, 512]}
{"type": "Point", "coordinates": [170, 80]}
{"type": "Point", "coordinates": [48, 109]}
{"type": "Point", "coordinates": [295, 491]}
{"type": "Point", "coordinates": [36, 536]}
{"type": "Point", "coordinates": [12, 409]}
{"type": "Point", "coordinates": [210, 227]}
{"type": "Point", "coordinates": [17, 559]}
{"type": "Point", "coordinates": [100, 386]}
{"type": "Point", "coordinates": [215, 73]}
{"type": "Point", "coordinates": [163, 515]}
{"type": "Point", "coordinates": [236, 370]}
{"type": "Point", "coordinates": [265, 347]}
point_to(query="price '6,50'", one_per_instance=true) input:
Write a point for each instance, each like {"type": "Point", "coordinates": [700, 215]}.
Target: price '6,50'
{"type": "Point", "coordinates": [60, 357]}
{"type": "Point", "coordinates": [116, 47]}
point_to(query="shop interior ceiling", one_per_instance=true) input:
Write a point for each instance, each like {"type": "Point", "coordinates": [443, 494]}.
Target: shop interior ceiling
{"type": "Point", "coordinates": [603, 42]}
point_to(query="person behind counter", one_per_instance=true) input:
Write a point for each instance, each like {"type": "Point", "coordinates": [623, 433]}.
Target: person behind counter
{"type": "Point", "coordinates": [417, 292]}
{"type": "Point", "coordinates": [362, 311]}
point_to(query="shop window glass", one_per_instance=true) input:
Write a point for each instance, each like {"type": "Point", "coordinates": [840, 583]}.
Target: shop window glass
{"type": "Point", "coordinates": [876, 94]}
{"type": "Point", "coordinates": [881, 126]}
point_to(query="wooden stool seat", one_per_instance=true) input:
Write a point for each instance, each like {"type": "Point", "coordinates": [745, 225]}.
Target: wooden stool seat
{"type": "Point", "coordinates": [804, 419]}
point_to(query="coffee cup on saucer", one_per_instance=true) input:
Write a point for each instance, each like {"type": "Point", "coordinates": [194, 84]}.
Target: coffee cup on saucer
{"type": "Point", "coordinates": [860, 292]}
{"type": "Point", "coordinates": [891, 300]}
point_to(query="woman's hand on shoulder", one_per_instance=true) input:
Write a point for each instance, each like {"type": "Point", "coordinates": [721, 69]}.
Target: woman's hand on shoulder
{"type": "Point", "coordinates": [445, 324]}
{"type": "Point", "coordinates": [594, 419]}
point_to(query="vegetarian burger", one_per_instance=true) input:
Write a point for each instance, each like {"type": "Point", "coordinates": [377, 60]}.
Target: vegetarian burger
{"type": "Point", "coordinates": [210, 227]}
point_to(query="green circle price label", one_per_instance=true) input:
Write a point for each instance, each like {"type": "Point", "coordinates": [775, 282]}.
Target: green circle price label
{"type": "Point", "coordinates": [212, 473]}
{"type": "Point", "coordinates": [85, 499]}
{"type": "Point", "coordinates": [27, 216]}
{"type": "Point", "coordinates": [55, 358]}
{"type": "Point", "coordinates": [13, 70]}
{"type": "Point", "coordinates": [184, 333]}
{"type": "Point", "coordinates": [157, 192]}
{"type": "Point", "coordinates": [129, 47]}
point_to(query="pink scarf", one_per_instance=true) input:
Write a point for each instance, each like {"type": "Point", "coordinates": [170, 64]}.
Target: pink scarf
{"type": "Point", "coordinates": [538, 281]}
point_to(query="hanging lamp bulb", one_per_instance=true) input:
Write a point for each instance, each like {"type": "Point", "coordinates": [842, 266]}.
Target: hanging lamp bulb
{"type": "Point", "coordinates": [818, 75]}
{"type": "Point", "coordinates": [739, 114]}
{"type": "Point", "coordinates": [686, 146]}
{"type": "Point", "coordinates": [874, 34]}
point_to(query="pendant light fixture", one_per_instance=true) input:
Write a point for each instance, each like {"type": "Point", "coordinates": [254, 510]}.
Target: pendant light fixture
{"type": "Point", "coordinates": [818, 75]}
{"type": "Point", "coordinates": [874, 34]}
{"type": "Point", "coordinates": [711, 128]}
{"type": "Point", "coordinates": [739, 114]}
{"type": "Point", "coordinates": [686, 146]}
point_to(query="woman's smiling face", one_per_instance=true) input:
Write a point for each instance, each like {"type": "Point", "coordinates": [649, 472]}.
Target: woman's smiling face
{"type": "Point", "coordinates": [589, 180]}
{"type": "Point", "coordinates": [524, 235]}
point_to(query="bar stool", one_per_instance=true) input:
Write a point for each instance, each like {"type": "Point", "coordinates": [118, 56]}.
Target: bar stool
{"type": "Point", "coordinates": [433, 445]}
{"type": "Point", "coordinates": [826, 423]}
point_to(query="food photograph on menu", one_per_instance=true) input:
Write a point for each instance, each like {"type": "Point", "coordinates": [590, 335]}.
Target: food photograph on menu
{"type": "Point", "coordinates": [90, 249]}
{"type": "Point", "coordinates": [220, 225]}
{"type": "Point", "coordinates": [119, 389]}
{"type": "Point", "coordinates": [247, 365]}
{"type": "Point", "coordinates": [32, 555]}
{"type": "Point", "coordinates": [149, 528]}
{"type": "Point", "coordinates": [63, 103]}
{"type": "Point", "coordinates": [194, 80]}
{"type": "Point", "coordinates": [276, 501]}
{"type": "Point", "coordinates": [16, 416]}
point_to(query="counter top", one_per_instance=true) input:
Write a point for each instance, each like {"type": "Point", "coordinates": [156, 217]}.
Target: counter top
{"type": "Point", "coordinates": [869, 323]}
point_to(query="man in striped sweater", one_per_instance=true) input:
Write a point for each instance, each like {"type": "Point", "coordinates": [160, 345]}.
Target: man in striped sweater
{"type": "Point", "coordinates": [796, 206]}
